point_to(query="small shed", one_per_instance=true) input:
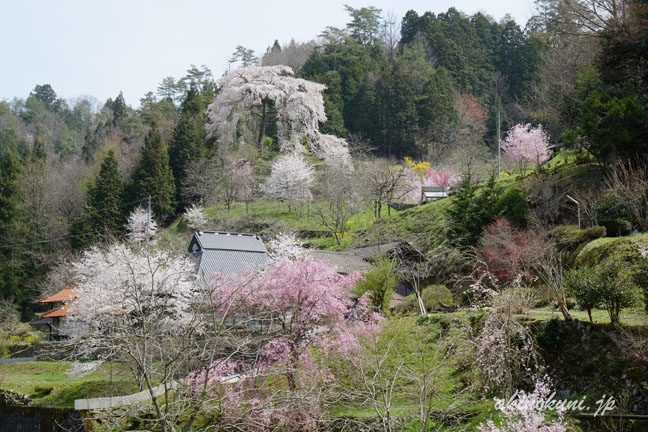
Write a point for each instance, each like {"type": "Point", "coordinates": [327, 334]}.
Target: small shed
{"type": "Point", "coordinates": [343, 262]}
{"type": "Point", "coordinates": [433, 192]}
{"type": "Point", "coordinates": [228, 253]}
{"type": "Point", "coordinates": [401, 251]}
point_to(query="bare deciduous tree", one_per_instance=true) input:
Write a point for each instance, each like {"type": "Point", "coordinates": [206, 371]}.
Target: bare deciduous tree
{"type": "Point", "coordinates": [293, 54]}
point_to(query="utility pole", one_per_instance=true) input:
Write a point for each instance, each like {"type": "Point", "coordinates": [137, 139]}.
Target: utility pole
{"type": "Point", "coordinates": [575, 201]}
{"type": "Point", "coordinates": [499, 147]}
{"type": "Point", "coordinates": [148, 221]}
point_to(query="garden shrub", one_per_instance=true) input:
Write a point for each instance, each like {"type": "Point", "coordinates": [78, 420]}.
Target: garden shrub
{"type": "Point", "coordinates": [569, 237]}
{"type": "Point", "coordinates": [513, 206]}
{"type": "Point", "coordinates": [435, 298]}
{"type": "Point", "coordinates": [516, 300]}
{"type": "Point", "coordinates": [616, 227]}
{"type": "Point", "coordinates": [611, 285]}
{"type": "Point", "coordinates": [379, 282]}
{"type": "Point", "coordinates": [580, 284]}
{"type": "Point", "coordinates": [552, 333]}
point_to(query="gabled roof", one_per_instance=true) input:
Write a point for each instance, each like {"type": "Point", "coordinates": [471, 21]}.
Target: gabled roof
{"type": "Point", "coordinates": [58, 312]}
{"type": "Point", "coordinates": [228, 253]}
{"type": "Point", "coordinates": [229, 241]}
{"type": "Point", "coordinates": [400, 250]}
{"type": "Point", "coordinates": [231, 262]}
{"type": "Point", "coordinates": [65, 294]}
{"type": "Point", "coordinates": [342, 262]}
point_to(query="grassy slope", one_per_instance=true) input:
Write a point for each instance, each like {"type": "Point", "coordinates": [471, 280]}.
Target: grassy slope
{"type": "Point", "coordinates": [625, 248]}
{"type": "Point", "coordinates": [48, 385]}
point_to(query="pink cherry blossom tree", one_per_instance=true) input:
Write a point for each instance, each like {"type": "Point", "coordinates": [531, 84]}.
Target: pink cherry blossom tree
{"type": "Point", "coordinates": [445, 178]}
{"type": "Point", "coordinates": [525, 144]}
{"type": "Point", "coordinates": [298, 305]}
{"type": "Point", "coordinates": [307, 301]}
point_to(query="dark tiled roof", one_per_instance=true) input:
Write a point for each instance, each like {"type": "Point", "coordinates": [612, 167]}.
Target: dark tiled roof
{"type": "Point", "coordinates": [228, 253]}
{"type": "Point", "coordinates": [229, 262]}
{"type": "Point", "coordinates": [342, 262]}
{"type": "Point", "coordinates": [230, 241]}
{"type": "Point", "coordinates": [401, 250]}
{"type": "Point", "coordinates": [374, 251]}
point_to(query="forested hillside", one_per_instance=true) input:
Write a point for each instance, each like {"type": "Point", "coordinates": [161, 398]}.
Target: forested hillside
{"type": "Point", "coordinates": [429, 87]}
{"type": "Point", "coordinates": [440, 210]}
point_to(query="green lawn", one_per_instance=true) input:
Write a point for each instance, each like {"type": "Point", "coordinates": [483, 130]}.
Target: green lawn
{"type": "Point", "coordinates": [47, 382]}
{"type": "Point", "coordinates": [632, 317]}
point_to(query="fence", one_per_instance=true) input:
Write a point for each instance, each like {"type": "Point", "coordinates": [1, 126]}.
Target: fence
{"type": "Point", "coordinates": [119, 401]}
{"type": "Point", "coordinates": [18, 360]}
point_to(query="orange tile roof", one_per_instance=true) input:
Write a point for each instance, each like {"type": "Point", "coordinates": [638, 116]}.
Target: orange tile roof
{"type": "Point", "coordinates": [63, 295]}
{"type": "Point", "coordinates": [58, 312]}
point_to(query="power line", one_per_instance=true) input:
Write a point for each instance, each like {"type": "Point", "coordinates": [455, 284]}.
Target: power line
{"type": "Point", "coordinates": [57, 239]}
{"type": "Point", "coordinates": [27, 218]}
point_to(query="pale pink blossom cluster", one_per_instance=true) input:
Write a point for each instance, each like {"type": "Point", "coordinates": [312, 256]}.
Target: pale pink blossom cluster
{"type": "Point", "coordinates": [287, 246]}
{"type": "Point", "coordinates": [333, 150]}
{"type": "Point", "coordinates": [290, 180]}
{"type": "Point", "coordinates": [482, 295]}
{"type": "Point", "coordinates": [504, 351]}
{"type": "Point", "coordinates": [412, 186]}
{"type": "Point", "coordinates": [299, 107]}
{"type": "Point", "coordinates": [525, 144]}
{"type": "Point", "coordinates": [195, 217]}
{"type": "Point", "coordinates": [119, 287]}
{"type": "Point", "coordinates": [524, 412]}
{"type": "Point", "coordinates": [238, 176]}
{"type": "Point", "coordinates": [137, 226]}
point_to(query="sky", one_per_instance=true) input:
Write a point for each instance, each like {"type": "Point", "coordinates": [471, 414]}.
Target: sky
{"type": "Point", "coordinates": [99, 48]}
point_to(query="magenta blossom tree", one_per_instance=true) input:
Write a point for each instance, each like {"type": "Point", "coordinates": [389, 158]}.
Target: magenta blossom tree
{"type": "Point", "coordinates": [443, 178]}
{"type": "Point", "coordinates": [296, 306]}
{"type": "Point", "coordinates": [304, 302]}
{"type": "Point", "coordinates": [525, 144]}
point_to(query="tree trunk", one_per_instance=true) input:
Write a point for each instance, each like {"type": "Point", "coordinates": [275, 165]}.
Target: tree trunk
{"type": "Point", "coordinates": [589, 314]}
{"type": "Point", "coordinates": [565, 312]}
{"type": "Point", "coordinates": [264, 120]}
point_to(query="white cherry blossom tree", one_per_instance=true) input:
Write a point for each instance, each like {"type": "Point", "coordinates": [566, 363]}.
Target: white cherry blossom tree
{"type": "Point", "coordinates": [195, 216]}
{"type": "Point", "coordinates": [290, 180]}
{"type": "Point", "coordinates": [137, 224]}
{"type": "Point", "coordinates": [258, 94]}
{"type": "Point", "coordinates": [139, 307]}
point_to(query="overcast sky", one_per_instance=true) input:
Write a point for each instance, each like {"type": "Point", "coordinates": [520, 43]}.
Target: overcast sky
{"type": "Point", "coordinates": [92, 47]}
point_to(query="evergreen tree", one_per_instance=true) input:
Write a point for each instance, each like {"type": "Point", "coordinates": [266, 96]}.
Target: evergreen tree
{"type": "Point", "coordinates": [189, 137]}
{"type": "Point", "coordinates": [9, 175]}
{"type": "Point", "coordinates": [39, 153]}
{"type": "Point", "coordinates": [10, 271]}
{"type": "Point", "coordinates": [397, 119]}
{"type": "Point", "coordinates": [464, 213]}
{"type": "Point", "coordinates": [107, 194]}
{"type": "Point", "coordinates": [119, 109]}
{"type": "Point", "coordinates": [104, 213]}
{"type": "Point", "coordinates": [153, 176]}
